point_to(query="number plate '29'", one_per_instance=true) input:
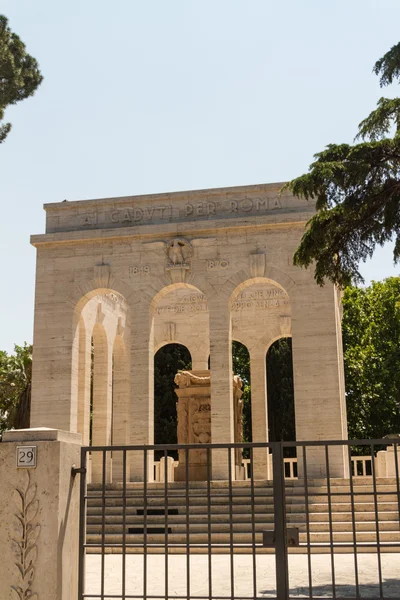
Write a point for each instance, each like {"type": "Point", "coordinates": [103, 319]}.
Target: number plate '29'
{"type": "Point", "coordinates": [26, 457]}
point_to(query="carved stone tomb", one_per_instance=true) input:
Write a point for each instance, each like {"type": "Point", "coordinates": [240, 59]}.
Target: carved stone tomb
{"type": "Point", "coordinates": [194, 423]}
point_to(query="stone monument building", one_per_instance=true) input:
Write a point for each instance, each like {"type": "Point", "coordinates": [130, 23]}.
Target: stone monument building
{"type": "Point", "coordinates": [199, 268]}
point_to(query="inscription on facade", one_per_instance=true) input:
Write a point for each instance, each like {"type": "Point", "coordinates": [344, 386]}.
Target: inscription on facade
{"type": "Point", "coordinates": [261, 299]}
{"type": "Point", "coordinates": [216, 265]}
{"type": "Point", "coordinates": [193, 303]}
{"type": "Point", "coordinates": [137, 214]}
{"type": "Point", "coordinates": [139, 270]}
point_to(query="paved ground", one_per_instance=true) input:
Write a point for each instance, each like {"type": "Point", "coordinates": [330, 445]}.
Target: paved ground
{"type": "Point", "coordinates": [243, 570]}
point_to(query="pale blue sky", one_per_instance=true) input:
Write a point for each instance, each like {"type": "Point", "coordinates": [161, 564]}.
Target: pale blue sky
{"type": "Point", "coordinates": [164, 95]}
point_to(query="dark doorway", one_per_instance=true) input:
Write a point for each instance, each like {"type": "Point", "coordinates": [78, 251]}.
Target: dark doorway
{"type": "Point", "coordinates": [281, 418]}
{"type": "Point", "coordinates": [167, 361]}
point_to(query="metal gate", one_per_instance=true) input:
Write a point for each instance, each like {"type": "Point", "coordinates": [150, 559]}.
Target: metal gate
{"type": "Point", "coordinates": [298, 533]}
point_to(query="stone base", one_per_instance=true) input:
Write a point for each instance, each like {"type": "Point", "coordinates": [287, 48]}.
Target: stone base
{"type": "Point", "coordinates": [39, 508]}
{"type": "Point", "coordinates": [195, 472]}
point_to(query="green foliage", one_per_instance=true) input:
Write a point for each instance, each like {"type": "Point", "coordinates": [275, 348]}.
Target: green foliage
{"type": "Point", "coordinates": [279, 366]}
{"type": "Point", "coordinates": [371, 338]}
{"type": "Point", "coordinates": [15, 387]}
{"type": "Point", "coordinates": [19, 73]}
{"type": "Point", "coordinates": [357, 192]}
{"type": "Point", "coordinates": [167, 361]}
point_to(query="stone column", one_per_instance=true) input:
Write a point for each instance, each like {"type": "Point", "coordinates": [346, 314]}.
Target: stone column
{"type": "Point", "coordinates": [102, 402]}
{"type": "Point", "coordinates": [39, 508]}
{"type": "Point", "coordinates": [84, 368]}
{"type": "Point", "coordinates": [320, 407]}
{"type": "Point", "coordinates": [121, 409]}
{"type": "Point", "coordinates": [222, 430]}
{"type": "Point", "coordinates": [142, 389]}
{"type": "Point", "coordinates": [259, 411]}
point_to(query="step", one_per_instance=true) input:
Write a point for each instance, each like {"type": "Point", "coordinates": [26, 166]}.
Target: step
{"type": "Point", "coordinates": [180, 501]}
{"type": "Point", "coordinates": [117, 527]}
{"type": "Point", "coordinates": [238, 538]}
{"type": "Point", "coordinates": [179, 519]}
{"type": "Point", "coordinates": [343, 507]}
{"type": "Point", "coordinates": [193, 510]}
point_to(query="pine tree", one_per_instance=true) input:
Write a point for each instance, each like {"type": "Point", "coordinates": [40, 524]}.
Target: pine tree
{"type": "Point", "coordinates": [19, 73]}
{"type": "Point", "coordinates": [357, 191]}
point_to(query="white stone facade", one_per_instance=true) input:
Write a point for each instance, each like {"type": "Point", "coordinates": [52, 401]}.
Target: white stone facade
{"type": "Point", "coordinates": [200, 268]}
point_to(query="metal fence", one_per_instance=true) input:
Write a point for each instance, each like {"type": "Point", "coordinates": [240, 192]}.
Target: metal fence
{"type": "Point", "coordinates": [330, 533]}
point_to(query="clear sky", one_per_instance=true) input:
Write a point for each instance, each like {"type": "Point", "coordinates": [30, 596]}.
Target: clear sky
{"type": "Point", "coordinates": [145, 96]}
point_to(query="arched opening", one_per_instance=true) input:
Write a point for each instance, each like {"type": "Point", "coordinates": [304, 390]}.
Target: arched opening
{"type": "Point", "coordinates": [167, 361]}
{"type": "Point", "coordinates": [100, 319]}
{"type": "Point", "coordinates": [280, 392]}
{"type": "Point", "coordinates": [260, 313]}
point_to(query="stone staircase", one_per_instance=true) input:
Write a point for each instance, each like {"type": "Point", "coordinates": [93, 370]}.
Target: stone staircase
{"type": "Point", "coordinates": [207, 522]}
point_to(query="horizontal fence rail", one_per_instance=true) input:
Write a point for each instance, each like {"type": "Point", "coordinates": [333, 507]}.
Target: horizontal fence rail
{"type": "Point", "coordinates": [322, 523]}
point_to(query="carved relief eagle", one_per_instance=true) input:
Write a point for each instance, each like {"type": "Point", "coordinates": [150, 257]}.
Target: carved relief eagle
{"type": "Point", "coordinates": [179, 251]}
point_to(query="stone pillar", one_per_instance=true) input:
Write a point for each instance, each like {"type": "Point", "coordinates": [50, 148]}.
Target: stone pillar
{"type": "Point", "coordinates": [199, 358]}
{"type": "Point", "coordinates": [55, 363]}
{"type": "Point", "coordinates": [39, 508]}
{"type": "Point", "coordinates": [121, 409]}
{"type": "Point", "coordinates": [385, 462]}
{"type": "Point", "coordinates": [102, 402]}
{"type": "Point", "coordinates": [84, 368]}
{"type": "Point", "coordinates": [222, 430]}
{"type": "Point", "coordinates": [142, 390]}
{"type": "Point", "coordinates": [320, 407]}
{"type": "Point", "coordinates": [259, 411]}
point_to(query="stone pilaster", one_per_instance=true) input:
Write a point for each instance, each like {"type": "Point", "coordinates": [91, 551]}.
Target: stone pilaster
{"type": "Point", "coordinates": [102, 402]}
{"type": "Point", "coordinates": [320, 408]}
{"type": "Point", "coordinates": [142, 389]}
{"type": "Point", "coordinates": [222, 426]}
{"type": "Point", "coordinates": [259, 411]}
{"type": "Point", "coordinates": [121, 409]}
{"type": "Point", "coordinates": [84, 383]}
{"type": "Point", "coordinates": [55, 364]}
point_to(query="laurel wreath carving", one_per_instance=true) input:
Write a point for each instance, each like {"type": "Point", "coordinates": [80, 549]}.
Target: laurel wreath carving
{"type": "Point", "coordinates": [27, 530]}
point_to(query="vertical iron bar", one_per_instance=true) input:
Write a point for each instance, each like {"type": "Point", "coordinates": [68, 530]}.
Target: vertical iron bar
{"type": "Point", "coordinates": [353, 519]}
{"type": "Point", "coordinates": [396, 467]}
{"type": "Point", "coordinates": [82, 526]}
{"type": "Point", "coordinates": [166, 520]}
{"type": "Point", "coordinates": [187, 525]}
{"type": "Point", "coordinates": [310, 583]}
{"type": "Point", "coordinates": [209, 524]}
{"type": "Point", "coordinates": [253, 525]}
{"type": "Point", "coordinates": [328, 480]}
{"type": "Point", "coordinates": [145, 477]}
{"type": "Point", "coordinates": [232, 565]}
{"type": "Point", "coordinates": [103, 519]}
{"type": "Point", "coordinates": [378, 546]}
{"type": "Point", "coordinates": [123, 524]}
{"type": "Point", "coordinates": [281, 552]}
